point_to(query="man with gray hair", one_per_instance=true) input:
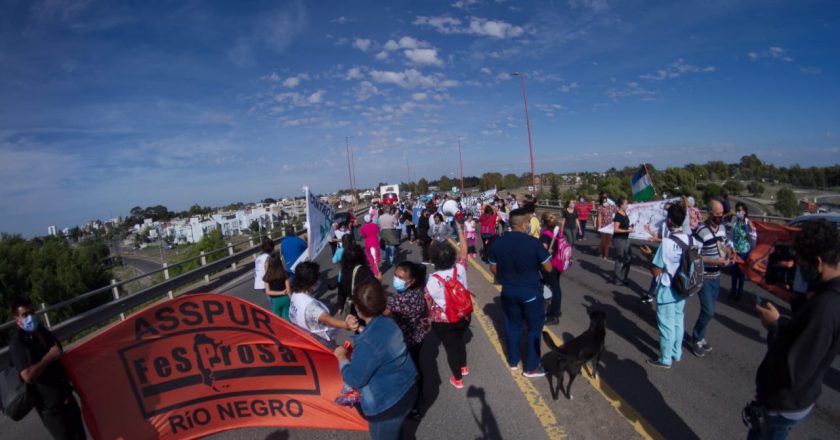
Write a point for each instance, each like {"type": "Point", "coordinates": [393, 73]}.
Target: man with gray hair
{"type": "Point", "coordinates": [516, 259]}
{"type": "Point", "coordinates": [717, 253]}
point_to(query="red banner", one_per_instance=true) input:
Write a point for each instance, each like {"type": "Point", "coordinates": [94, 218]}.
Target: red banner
{"type": "Point", "coordinates": [771, 237]}
{"type": "Point", "coordinates": [205, 363]}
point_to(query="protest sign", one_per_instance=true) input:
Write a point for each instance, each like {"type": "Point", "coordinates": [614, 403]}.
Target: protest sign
{"type": "Point", "coordinates": [319, 218]}
{"type": "Point", "coordinates": [645, 219]}
{"type": "Point", "coordinates": [472, 204]}
{"type": "Point", "coordinates": [205, 363]}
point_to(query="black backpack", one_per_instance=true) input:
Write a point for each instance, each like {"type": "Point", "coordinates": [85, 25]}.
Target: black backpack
{"type": "Point", "coordinates": [688, 279]}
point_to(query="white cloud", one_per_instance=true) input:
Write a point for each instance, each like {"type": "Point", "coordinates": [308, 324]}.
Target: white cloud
{"type": "Point", "coordinates": [810, 69]}
{"type": "Point", "coordinates": [315, 97]}
{"type": "Point", "coordinates": [280, 29]}
{"type": "Point", "coordinates": [382, 55]}
{"type": "Point", "coordinates": [405, 43]}
{"type": "Point", "coordinates": [412, 79]}
{"type": "Point", "coordinates": [423, 57]}
{"type": "Point", "coordinates": [392, 45]}
{"type": "Point", "coordinates": [568, 87]}
{"type": "Point", "coordinates": [363, 44]}
{"type": "Point", "coordinates": [486, 71]}
{"type": "Point", "coordinates": [419, 96]}
{"type": "Point", "coordinates": [631, 89]}
{"type": "Point", "coordinates": [676, 69]}
{"type": "Point", "coordinates": [295, 99]}
{"type": "Point", "coordinates": [409, 43]}
{"type": "Point", "coordinates": [294, 81]}
{"type": "Point", "coordinates": [773, 52]}
{"type": "Point", "coordinates": [476, 26]}
{"type": "Point", "coordinates": [595, 5]}
{"type": "Point", "coordinates": [354, 73]}
{"type": "Point", "coordinates": [494, 28]}
{"type": "Point", "coordinates": [444, 25]}
{"type": "Point", "coordinates": [465, 4]}
{"type": "Point", "coordinates": [365, 90]}
{"type": "Point", "coordinates": [550, 109]}
{"type": "Point", "coordinates": [274, 77]}
{"type": "Point", "coordinates": [341, 20]}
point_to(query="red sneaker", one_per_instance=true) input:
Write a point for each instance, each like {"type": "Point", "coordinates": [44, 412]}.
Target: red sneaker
{"type": "Point", "coordinates": [457, 383]}
{"type": "Point", "coordinates": [465, 371]}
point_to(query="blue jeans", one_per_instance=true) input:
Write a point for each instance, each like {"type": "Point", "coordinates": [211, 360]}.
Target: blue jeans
{"type": "Point", "coordinates": [775, 428]}
{"type": "Point", "coordinates": [670, 319]}
{"type": "Point", "coordinates": [388, 253]}
{"type": "Point", "coordinates": [388, 425]}
{"type": "Point", "coordinates": [519, 304]}
{"type": "Point", "coordinates": [738, 278]}
{"type": "Point", "coordinates": [708, 296]}
{"type": "Point", "coordinates": [552, 280]}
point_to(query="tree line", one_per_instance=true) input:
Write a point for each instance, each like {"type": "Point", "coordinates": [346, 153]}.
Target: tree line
{"type": "Point", "coordinates": [50, 270]}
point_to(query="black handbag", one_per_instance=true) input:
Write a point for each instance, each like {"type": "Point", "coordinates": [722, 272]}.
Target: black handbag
{"type": "Point", "coordinates": [17, 397]}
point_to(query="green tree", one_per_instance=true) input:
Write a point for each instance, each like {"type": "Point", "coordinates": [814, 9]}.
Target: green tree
{"type": "Point", "coordinates": [734, 187]}
{"type": "Point", "coordinates": [422, 186]}
{"type": "Point", "coordinates": [755, 188]}
{"type": "Point", "coordinates": [254, 227]}
{"type": "Point", "coordinates": [555, 190]}
{"type": "Point", "coordinates": [786, 202]}
{"type": "Point", "coordinates": [211, 242]}
{"type": "Point", "coordinates": [711, 191]}
{"type": "Point", "coordinates": [491, 180]}
{"type": "Point", "coordinates": [445, 183]}
{"type": "Point", "coordinates": [511, 181]}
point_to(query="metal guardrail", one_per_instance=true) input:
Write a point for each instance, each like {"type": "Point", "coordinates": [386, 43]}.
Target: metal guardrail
{"type": "Point", "coordinates": [120, 305]}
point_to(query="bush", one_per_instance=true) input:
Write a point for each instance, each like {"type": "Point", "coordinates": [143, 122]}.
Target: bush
{"type": "Point", "coordinates": [756, 189]}
{"type": "Point", "coordinates": [786, 202]}
{"type": "Point", "coordinates": [734, 187]}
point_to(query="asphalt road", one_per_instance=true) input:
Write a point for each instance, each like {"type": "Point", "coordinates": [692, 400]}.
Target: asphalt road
{"type": "Point", "coordinates": [698, 398]}
{"type": "Point", "coordinates": [141, 264]}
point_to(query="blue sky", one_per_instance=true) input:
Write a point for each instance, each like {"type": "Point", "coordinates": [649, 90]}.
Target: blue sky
{"type": "Point", "coordinates": [105, 105]}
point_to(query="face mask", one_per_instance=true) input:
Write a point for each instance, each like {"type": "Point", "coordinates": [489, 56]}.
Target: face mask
{"type": "Point", "coordinates": [571, 205]}
{"type": "Point", "coordinates": [604, 203]}
{"type": "Point", "coordinates": [716, 220]}
{"type": "Point", "coordinates": [30, 323]}
{"type": "Point", "coordinates": [399, 284]}
{"type": "Point", "coordinates": [740, 215]}
{"type": "Point", "coordinates": [581, 200]}
{"type": "Point", "coordinates": [810, 275]}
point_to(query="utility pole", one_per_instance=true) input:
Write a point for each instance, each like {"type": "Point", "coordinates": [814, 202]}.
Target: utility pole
{"type": "Point", "coordinates": [521, 76]}
{"type": "Point", "coordinates": [350, 170]}
{"type": "Point", "coordinates": [461, 163]}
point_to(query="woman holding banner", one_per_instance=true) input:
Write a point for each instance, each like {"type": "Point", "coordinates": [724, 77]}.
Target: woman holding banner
{"type": "Point", "coordinates": [381, 368]}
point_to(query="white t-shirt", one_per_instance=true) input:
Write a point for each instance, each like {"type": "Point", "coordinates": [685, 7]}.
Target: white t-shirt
{"type": "Point", "coordinates": [668, 256]}
{"type": "Point", "coordinates": [259, 271]}
{"type": "Point", "coordinates": [435, 287]}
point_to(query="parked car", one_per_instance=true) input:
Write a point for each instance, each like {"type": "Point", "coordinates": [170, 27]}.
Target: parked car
{"type": "Point", "coordinates": [831, 217]}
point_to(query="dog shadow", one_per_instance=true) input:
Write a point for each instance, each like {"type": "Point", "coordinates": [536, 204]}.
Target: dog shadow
{"type": "Point", "coordinates": [628, 381]}
{"type": "Point", "coordinates": [486, 420]}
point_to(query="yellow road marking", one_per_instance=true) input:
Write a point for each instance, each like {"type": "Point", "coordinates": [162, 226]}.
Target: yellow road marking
{"type": "Point", "coordinates": [544, 414]}
{"type": "Point", "coordinates": [642, 426]}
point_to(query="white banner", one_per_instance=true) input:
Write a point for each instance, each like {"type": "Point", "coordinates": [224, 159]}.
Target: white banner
{"type": "Point", "coordinates": [645, 219]}
{"type": "Point", "coordinates": [319, 221]}
{"type": "Point", "coordinates": [473, 204]}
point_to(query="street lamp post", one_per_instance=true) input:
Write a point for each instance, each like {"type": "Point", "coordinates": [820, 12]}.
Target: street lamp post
{"type": "Point", "coordinates": [461, 163]}
{"type": "Point", "coordinates": [521, 76]}
{"type": "Point", "coordinates": [350, 170]}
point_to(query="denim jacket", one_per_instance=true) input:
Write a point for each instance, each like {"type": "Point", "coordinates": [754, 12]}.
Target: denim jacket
{"type": "Point", "coordinates": [380, 367]}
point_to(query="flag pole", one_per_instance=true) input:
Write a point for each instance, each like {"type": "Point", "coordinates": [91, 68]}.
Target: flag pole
{"type": "Point", "coordinates": [652, 183]}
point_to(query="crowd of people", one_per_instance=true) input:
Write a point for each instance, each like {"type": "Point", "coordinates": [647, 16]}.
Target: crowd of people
{"type": "Point", "coordinates": [386, 326]}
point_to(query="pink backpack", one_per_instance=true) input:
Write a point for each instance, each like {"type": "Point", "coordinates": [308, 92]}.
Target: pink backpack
{"type": "Point", "coordinates": [561, 260]}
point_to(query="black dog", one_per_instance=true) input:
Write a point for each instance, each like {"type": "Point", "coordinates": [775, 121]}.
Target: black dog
{"type": "Point", "coordinates": [576, 353]}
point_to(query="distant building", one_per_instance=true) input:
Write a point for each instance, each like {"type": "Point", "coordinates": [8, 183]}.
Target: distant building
{"type": "Point", "coordinates": [51, 230]}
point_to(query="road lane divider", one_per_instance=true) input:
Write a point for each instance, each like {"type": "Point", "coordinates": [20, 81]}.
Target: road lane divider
{"type": "Point", "coordinates": [639, 424]}
{"type": "Point", "coordinates": [546, 417]}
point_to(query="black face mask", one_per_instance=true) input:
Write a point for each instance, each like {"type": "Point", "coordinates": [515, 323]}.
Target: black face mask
{"type": "Point", "coordinates": [716, 220]}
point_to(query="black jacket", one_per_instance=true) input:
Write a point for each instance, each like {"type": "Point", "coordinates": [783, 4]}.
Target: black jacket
{"type": "Point", "coordinates": [800, 352]}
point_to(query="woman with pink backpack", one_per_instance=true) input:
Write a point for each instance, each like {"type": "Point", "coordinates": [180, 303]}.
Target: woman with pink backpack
{"type": "Point", "coordinates": [561, 258]}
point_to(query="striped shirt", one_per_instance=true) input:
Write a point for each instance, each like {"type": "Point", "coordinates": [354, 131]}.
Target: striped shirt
{"type": "Point", "coordinates": [713, 244]}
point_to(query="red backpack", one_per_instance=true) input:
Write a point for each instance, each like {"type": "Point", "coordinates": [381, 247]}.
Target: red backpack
{"type": "Point", "coordinates": [459, 304]}
{"type": "Point", "coordinates": [561, 260]}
